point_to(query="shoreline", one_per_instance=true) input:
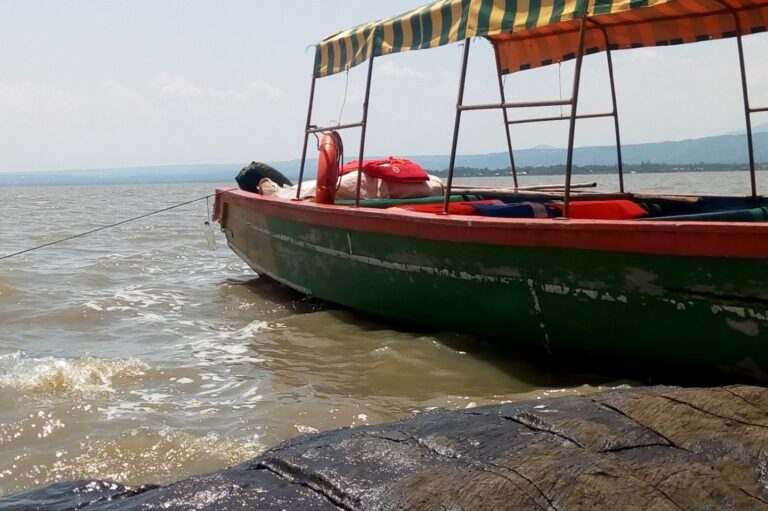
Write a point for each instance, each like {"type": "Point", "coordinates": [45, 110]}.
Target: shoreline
{"type": "Point", "coordinates": [639, 448]}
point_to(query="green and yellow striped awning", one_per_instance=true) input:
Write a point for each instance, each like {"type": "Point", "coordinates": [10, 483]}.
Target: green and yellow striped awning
{"type": "Point", "coordinates": [534, 33]}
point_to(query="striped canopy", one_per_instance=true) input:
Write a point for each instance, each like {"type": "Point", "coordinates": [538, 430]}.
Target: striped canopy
{"type": "Point", "coordinates": [534, 33]}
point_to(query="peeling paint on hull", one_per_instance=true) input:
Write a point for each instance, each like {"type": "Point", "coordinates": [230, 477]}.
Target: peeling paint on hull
{"type": "Point", "coordinates": [635, 309]}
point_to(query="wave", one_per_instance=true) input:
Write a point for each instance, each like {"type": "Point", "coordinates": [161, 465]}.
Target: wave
{"type": "Point", "coordinates": [145, 455]}
{"type": "Point", "coordinates": [50, 376]}
{"type": "Point", "coordinates": [8, 292]}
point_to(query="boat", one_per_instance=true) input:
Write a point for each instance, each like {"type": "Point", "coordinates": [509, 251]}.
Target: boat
{"type": "Point", "coordinates": [681, 288]}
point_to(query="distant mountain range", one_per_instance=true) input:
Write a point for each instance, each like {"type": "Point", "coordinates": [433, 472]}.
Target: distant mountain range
{"type": "Point", "coordinates": [216, 173]}
{"type": "Point", "coordinates": [723, 149]}
{"type": "Point", "coordinates": [731, 149]}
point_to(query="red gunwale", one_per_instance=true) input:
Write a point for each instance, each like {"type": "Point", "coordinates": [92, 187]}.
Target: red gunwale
{"type": "Point", "coordinates": [704, 239]}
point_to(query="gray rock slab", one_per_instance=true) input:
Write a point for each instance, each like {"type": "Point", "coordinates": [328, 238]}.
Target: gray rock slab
{"type": "Point", "coordinates": [640, 448]}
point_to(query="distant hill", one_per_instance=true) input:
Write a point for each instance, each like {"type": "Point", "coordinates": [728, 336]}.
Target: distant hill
{"type": "Point", "coordinates": [222, 173]}
{"type": "Point", "coordinates": [723, 149]}
{"type": "Point", "coordinates": [726, 149]}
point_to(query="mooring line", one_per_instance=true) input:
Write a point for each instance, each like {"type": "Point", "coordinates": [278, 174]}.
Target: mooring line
{"type": "Point", "coordinates": [105, 227]}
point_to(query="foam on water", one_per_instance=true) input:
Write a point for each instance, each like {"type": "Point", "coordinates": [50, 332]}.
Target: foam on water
{"type": "Point", "coordinates": [49, 376]}
{"type": "Point", "coordinates": [136, 296]}
{"type": "Point", "coordinates": [221, 348]}
{"type": "Point", "coordinates": [135, 456]}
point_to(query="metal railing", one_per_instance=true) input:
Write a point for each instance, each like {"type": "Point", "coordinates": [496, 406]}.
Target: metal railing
{"type": "Point", "coordinates": [572, 102]}
{"type": "Point", "coordinates": [504, 106]}
{"type": "Point", "coordinates": [311, 129]}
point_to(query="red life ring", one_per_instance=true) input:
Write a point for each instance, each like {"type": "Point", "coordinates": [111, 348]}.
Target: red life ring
{"type": "Point", "coordinates": [328, 168]}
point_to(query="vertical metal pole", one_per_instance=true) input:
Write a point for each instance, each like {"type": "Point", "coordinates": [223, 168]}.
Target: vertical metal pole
{"type": "Point", "coordinates": [506, 117]}
{"type": "Point", "coordinates": [574, 104]}
{"type": "Point", "coordinates": [306, 137]}
{"type": "Point", "coordinates": [362, 131]}
{"type": "Point", "coordinates": [747, 111]}
{"type": "Point", "coordinates": [457, 122]}
{"type": "Point", "coordinates": [615, 113]}
{"type": "Point", "coordinates": [745, 94]}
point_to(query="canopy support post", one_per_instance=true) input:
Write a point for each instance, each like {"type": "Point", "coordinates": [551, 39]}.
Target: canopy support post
{"type": "Point", "coordinates": [747, 110]}
{"type": "Point", "coordinates": [364, 125]}
{"type": "Point", "coordinates": [615, 113]}
{"type": "Point", "coordinates": [619, 161]}
{"type": "Point", "coordinates": [574, 103]}
{"type": "Point", "coordinates": [506, 118]}
{"type": "Point", "coordinates": [457, 122]}
{"type": "Point", "coordinates": [745, 93]}
{"type": "Point", "coordinates": [306, 137]}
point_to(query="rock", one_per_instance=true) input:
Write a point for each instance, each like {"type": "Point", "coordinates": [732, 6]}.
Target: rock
{"type": "Point", "coordinates": [643, 448]}
{"type": "Point", "coordinates": [69, 496]}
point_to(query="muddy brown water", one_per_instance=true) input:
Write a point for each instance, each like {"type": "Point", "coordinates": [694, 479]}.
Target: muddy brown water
{"type": "Point", "coordinates": [139, 355]}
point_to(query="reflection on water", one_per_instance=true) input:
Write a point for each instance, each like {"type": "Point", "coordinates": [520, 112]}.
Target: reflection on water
{"type": "Point", "coordinates": [139, 355]}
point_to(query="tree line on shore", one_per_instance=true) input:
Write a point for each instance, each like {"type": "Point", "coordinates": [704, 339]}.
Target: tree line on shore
{"type": "Point", "coordinates": [643, 167]}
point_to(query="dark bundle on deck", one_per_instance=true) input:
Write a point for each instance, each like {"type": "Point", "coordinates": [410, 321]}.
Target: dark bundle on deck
{"type": "Point", "coordinates": [249, 177]}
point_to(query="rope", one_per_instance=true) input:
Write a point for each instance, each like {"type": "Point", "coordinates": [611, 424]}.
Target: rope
{"type": "Point", "coordinates": [105, 227]}
{"type": "Point", "coordinates": [344, 101]}
{"type": "Point", "coordinates": [560, 85]}
{"type": "Point", "coordinates": [340, 157]}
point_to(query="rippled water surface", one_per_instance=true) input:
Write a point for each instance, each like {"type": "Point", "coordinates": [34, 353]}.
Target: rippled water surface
{"type": "Point", "coordinates": [137, 354]}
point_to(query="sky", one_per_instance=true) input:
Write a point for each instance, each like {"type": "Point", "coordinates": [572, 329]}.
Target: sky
{"type": "Point", "coordinates": [121, 83]}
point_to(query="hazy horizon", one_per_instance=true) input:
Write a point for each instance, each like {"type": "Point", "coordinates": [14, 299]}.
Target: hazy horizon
{"type": "Point", "coordinates": [758, 128]}
{"type": "Point", "coordinates": [105, 85]}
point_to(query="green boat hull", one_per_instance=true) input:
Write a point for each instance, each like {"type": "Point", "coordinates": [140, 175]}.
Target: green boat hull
{"type": "Point", "coordinates": [648, 311]}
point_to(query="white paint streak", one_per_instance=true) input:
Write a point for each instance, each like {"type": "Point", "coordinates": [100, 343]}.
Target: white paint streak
{"type": "Point", "coordinates": [589, 292]}
{"type": "Point", "coordinates": [391, 265]}
{"type": "Point", "coordinates": [636, 278]}
{"type": "Point", "coordinates": [739, 311]}
{"type": "Point", "coordinates": [535, 298]}
{"type": "Point", "coordinates": [742, 312]}
{"type": "Point", "coordinates": [747, 327]}
{"type": "Point", "coordinates": [546, 343]}
{"type": "Point", "coordinates": [556, 289]}
{"type": "Point", "coordinates": [537, 306]}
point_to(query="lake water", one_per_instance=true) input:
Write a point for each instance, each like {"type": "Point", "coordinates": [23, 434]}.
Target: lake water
{"type": "Point", "coordinates": [139, 355]}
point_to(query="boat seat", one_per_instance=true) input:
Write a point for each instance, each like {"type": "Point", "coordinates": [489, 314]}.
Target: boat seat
{"type": "Point", "coordinates": [618, 209]}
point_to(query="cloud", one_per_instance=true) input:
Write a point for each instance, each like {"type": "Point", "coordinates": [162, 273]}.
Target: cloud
{"type": "Point", "coordinates": [397, 71]}
{"type": "Point", "coordinates": [195, 102]}
{"type": "Point", "coordinates": [69, 121]}
{"type": "Point", "coordinates": [165, 119]}
{"type": "Point", "coordinates": [181, 87]}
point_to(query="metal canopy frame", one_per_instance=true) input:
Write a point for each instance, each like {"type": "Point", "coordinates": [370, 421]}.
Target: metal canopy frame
{"type": "Point", "coordinates": [504, 105]}
{"type": "Point", "coordinates": [311, 129]}
{"type": "Point", "coordinates": [572, 102]}
{"type": "Point", "coordinates": [748, 111]}
{"type": "Point", "coordinates": [574, 115]}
